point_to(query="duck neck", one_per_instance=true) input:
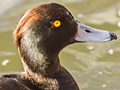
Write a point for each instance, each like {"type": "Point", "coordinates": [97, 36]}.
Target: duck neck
{"type": "Point", "coordinates": [37, 58]}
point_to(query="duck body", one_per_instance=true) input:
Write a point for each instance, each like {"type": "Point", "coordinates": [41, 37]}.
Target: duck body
{"type": "Point", "coordinates": [59, 81]}
{"type": "Point", "coordinates": [40, 35]}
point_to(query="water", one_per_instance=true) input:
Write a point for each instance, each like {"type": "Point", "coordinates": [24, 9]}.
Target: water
{"type": "Point", "coordinates": [95, 66]}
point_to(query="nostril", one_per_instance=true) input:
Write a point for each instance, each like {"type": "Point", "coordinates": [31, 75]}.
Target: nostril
{"type": "Point", "coordinates": [88, 31]}
{"type": "Point", "coordinates": [113, 36]}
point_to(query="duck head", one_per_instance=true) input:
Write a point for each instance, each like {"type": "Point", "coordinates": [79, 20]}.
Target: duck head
{"type": "Point", "coordinates": [46, 29]}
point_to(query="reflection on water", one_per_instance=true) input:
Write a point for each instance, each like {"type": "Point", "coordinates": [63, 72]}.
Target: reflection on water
{"type": "Point", "coordinates": [5, 62]}
{"type": "Point", "coordinates": [95, 66]}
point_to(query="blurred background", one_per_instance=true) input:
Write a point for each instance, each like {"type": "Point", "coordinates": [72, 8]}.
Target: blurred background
{"type": "Point", "coordinates": [95, 66]}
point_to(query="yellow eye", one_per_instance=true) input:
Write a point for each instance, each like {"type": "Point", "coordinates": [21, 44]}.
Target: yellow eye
{"type": "Point", "coordinates": [57, 23]}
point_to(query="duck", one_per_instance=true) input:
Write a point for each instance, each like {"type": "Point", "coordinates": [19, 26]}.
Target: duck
{"type": "Point", "coordinates": [40, 35]}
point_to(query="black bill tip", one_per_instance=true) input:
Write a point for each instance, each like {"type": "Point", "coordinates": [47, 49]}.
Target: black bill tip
{"type": "Point", "coordinates": [113, 36]}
